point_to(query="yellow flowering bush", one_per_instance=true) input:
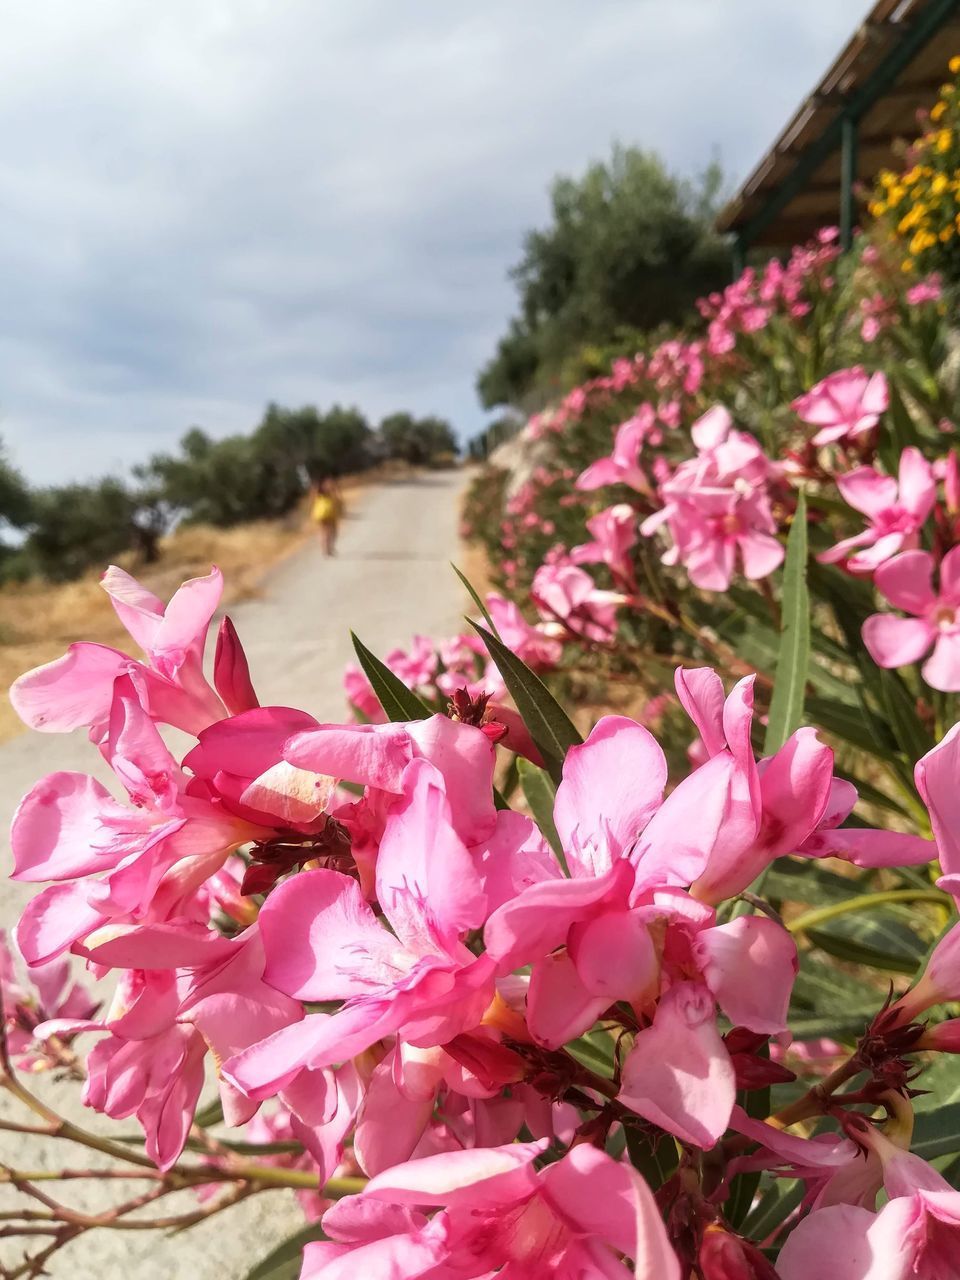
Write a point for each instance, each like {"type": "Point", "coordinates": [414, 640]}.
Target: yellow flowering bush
{"type": "Point", "coordinates": [918, 210]}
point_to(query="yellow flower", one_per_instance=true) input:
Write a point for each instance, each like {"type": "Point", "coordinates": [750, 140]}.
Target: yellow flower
{"type": "Point", "coordinates": [906, 265]}
{"type": "Point", "coordinates": [938, 111]}
{"type": "Point", "coordinates": [946, 235]}
{"type": "Point", "coordinates": [940, 184]}
{"type": "Point", "coordinates": [896, 194]}
{"type": "Point", "coordinates": [954, 64]}
{"type": "Point", "coordinates": [944, 138]}
{"type": "Point", "coordinates": [877, 208]}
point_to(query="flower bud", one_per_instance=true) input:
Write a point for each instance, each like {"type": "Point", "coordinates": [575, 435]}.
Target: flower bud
{"type": "Point", "coordinates": [940, 981]}
{"type": "Point", "coordinates": [231, 674]}
{"type": "Point", "coordinates": [945, 1037]}
{"type": "Point", "coordinates": [724, 1256]}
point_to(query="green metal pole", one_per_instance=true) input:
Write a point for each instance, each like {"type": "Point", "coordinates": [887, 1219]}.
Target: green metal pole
{"type": "Point", "coordinates": [848, 178]}
{"type": "Point", "coordinates": [738, 257]}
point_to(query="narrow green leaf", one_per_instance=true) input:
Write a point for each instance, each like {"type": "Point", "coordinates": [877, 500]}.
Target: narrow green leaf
{"type": "Point", "coordinates": [654, 1157]}
{"type": "Point", "coordinates": [284, 1262]}
{"type": "Point", "coordinates": [595, 1051]}
{"type": "Point", "coordinates": [911, 735]}
{"type": "Point", "coordinates": [398, 702]}
{"type": "Point", "coordinates": [776, 1205]}
{"type": "Point", "coordinates": [212, 1113]}
{"type": "Point", "coordinates": [743, 1188]}
{"type": "Point", "coordinates": [937, 1133]}
{"type": "Point", "coordinates": [786, 705]}
{"type": "Point", "coordinates": [540, 793]}
{"type": "Point", "coordinates": [823, 988]}
{"type": "Point", "coordinates": [849, 723]}
{"type": "Point", "coordinates": [848, 1025]}
{"type": "Point", "coordinates": [475, 597]}
{"type": "Point", "coordinates": [549, 725]}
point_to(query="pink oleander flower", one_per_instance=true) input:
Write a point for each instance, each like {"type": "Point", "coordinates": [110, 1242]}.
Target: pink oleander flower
{"type": "Point", "coordinates": [30, 998]}
{"type": "Point", "coordinates": [879, 312]}
{"type": "Point", "coordinates": [844, 405]}
{"type": "Point", "coordinates": [360, 694]}
{"type": "Point", "coordinates": [939, 982]}
{"type": "Point", "coordinates": [929, 290]}
{"type": "Point", "coordinates": [584, 1215]}
{"type": "Point", "coordinates": [614, 534]}
{"type": "Point", "coordinates": [570, 601]}
{"type": "Point", "coordinates": [76, 691]}
{"type": "Point", "coordinates": [717, 507]}
{"type": "Point", "coordinates": [896, 511]}
{"type": "Point", "coordinates": [591, 938]}
{"type": "Point", "coordinates": [323, 942]}
{"type": "Point", "coordinates": [199, 992]}
{"type": "Point", "coordinates": [416, 666]}
{"type": "Point", "coordinates": [623, 465]}
{"type": "Point", "coordinates": [530, 643]}
{"type": "Point", "coordinates": [936, 776]}
{"type": "Point", "coordinates": [906, 582]}
{"type": "Point", "coordinates": [111, 861]}
{"type": "Point", "coordinates": [915, 1236]}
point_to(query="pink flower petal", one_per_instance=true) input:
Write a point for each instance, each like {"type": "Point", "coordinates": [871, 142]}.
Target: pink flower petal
{"type": "Point", "coordinates": [896, 642]}
{"type": "Point", "coordinates": [750, 966]}
{"type": "Point", "coordinates": [612, 785]}
{"type": "Point", "coordinates": [678, 1073]}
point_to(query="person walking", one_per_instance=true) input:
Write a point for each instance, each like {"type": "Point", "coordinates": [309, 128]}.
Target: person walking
{"type": "Point", "coordinates": [326, 508]}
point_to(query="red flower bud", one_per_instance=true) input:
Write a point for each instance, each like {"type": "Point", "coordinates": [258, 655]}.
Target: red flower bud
{"type": "Point", "coordinates": [231, 674]}
{"type": "Point", "coordinates": [724, 1256]}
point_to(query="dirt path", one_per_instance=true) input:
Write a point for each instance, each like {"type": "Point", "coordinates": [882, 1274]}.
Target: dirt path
{"type": "Point", "coordinates": [390, 579]}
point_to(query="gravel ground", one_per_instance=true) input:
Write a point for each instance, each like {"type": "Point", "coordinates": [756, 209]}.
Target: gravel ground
{"type": "Point", "coordinates": [390, 579]}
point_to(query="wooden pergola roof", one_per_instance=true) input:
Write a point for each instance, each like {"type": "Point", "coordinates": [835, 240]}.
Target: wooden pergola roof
{"type": "Point", "coordinates": [845, 131]}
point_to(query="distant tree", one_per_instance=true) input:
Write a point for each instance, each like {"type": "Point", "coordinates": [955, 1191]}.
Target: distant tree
{"type": "Point", "coordinates": [342, 442]}
{"type": "Point", "coordinates": [75, 526]}
{"type": "Point", "coordinates": [419, 441]}
{"type": "Point", "coordinates": [15, 498]}
{"type": "Point", "coordinates": [263, 475]}
{"type": "Point", "coordinates": [629, 246]}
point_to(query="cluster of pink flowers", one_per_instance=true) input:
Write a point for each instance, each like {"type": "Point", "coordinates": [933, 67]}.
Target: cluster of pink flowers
{"type": "Point", "coordinates": [755, 298]}
{"type": "Point", "coordinates": [717, 506]}
{"type": "Point", "coordinates": [405, 967]}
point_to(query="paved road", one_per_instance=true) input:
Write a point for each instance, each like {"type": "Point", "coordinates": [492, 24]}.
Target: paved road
{"type": "Point", "coordinates": [390, 579]}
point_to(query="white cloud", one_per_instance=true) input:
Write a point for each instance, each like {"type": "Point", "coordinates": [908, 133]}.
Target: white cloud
{"type": "Point", "coordinates": [206, 206]}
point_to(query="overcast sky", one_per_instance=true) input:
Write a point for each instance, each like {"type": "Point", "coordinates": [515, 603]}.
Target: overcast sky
{"type": "Point", "coordinates": [209, 204]}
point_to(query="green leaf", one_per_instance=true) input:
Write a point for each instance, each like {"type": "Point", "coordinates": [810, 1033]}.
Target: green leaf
{"type": "Point", "coordinates": [212, 1113]}
{"type": "Point", "coordinates": [786, 705]}
{"type": "Point", "coordinates": [284, 1262]}
{"type": "Point", "coordinates": [822, 987]}
{"type": "Point", "coordinates": [654, 1157]}
{"type": "Point", "coordinates": [776, 1205]}
{"type": "Point", "coordinates": [911, 736]}
{"type": "Point", "coordinates": [847, 1025]}
{"type": "Point", "coordinates": [540, 793]}
{"type": "Point", "coordinates": [790, 880]}
{"type": "Point", "coordinates": [398, 702]}
{"type": "Point", "coordinates": [851, 724]}
{"type": "Point", "coordinates": [937, 1133]}
{"type": "Point", "coordinates": [474, 596]}
{"type": "Point", "coordinates": [595, 1051]}
{"type": "Point", "coordinates": [549, 725]}
{"type": "Point", "coordinates": [743, 1188]}
{"type": "Point", "coordinates": [883, 939]}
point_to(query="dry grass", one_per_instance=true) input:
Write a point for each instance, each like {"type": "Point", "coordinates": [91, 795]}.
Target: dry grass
{"type": "Point", "coordinates": [39, 619]}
